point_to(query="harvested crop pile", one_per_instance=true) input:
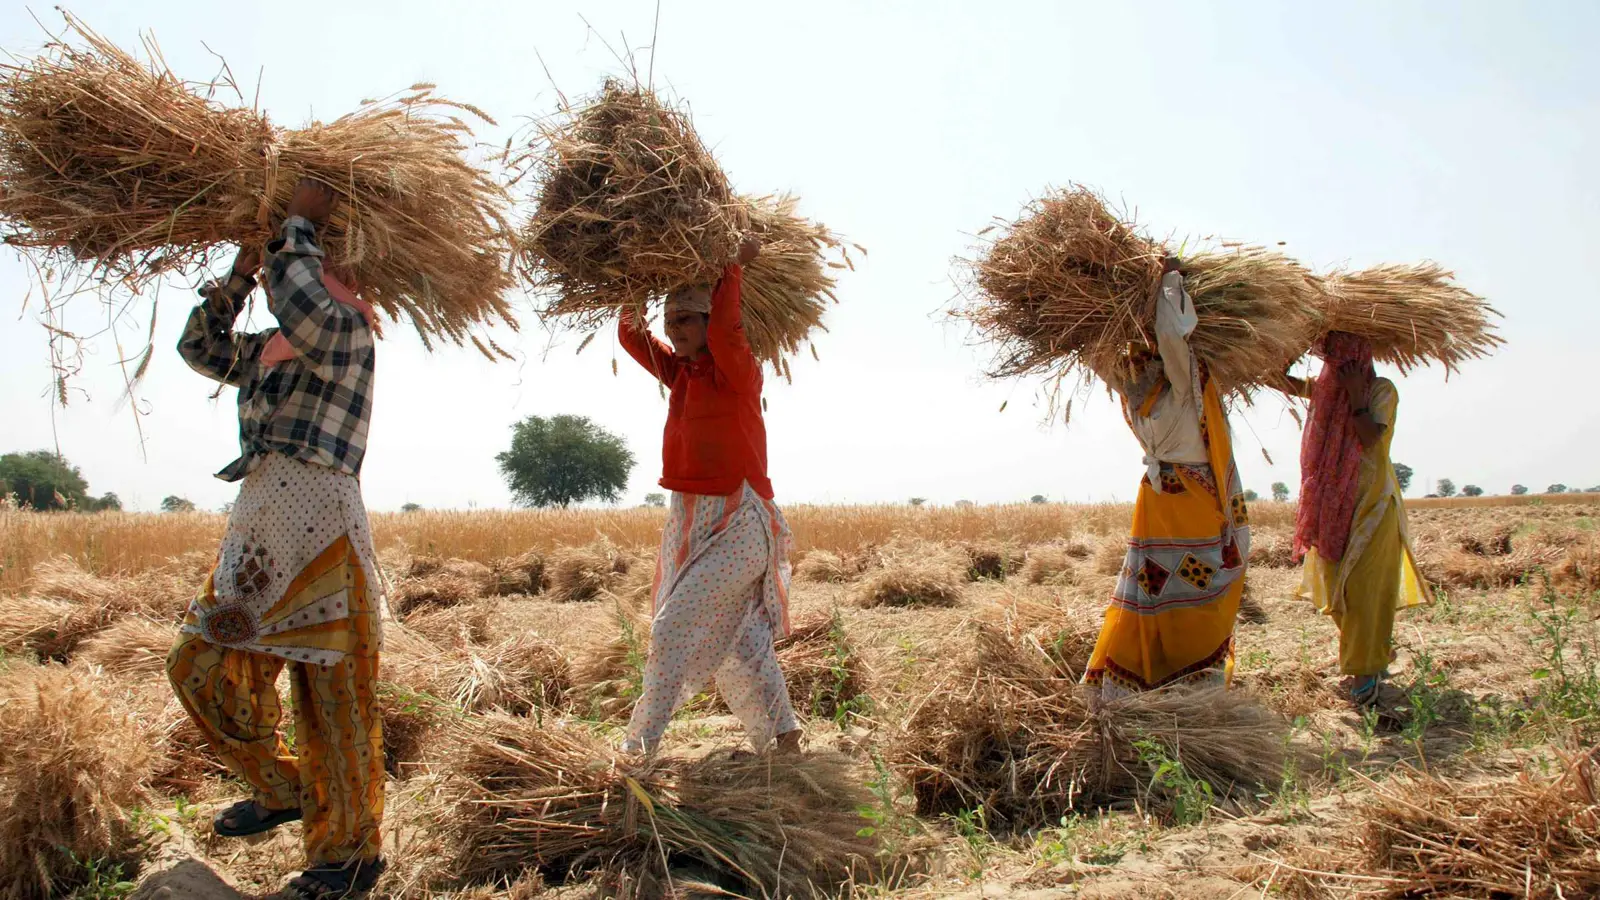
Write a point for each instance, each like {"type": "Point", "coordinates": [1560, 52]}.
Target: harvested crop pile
{"type": "Point", "coordinates": [1066, 285]}
{"type": "Point", "coordinates": [517, 675]}
{"type": "Point", "coordinates": [1011, 728]}
{"type": "Point", "coordinates": [73, 766]}
{"type": "Point", "coordinates": [520, 574]}
{"type": "Point", "coordinates": [912, 583]}
{"type": "Point", "coordinates": [1271, 549]}
{"type": "Point", "coordinates": [1522, 837]}
{"type": "Point", "coordinates": [441, 584]}
{"type": "Point", "coordinates": [992, 562]}
{"type": "Point", "coordinates": [455, 626]}
{"type": "Point", "coordinates": [824, 672]}
{"type": "Point", "coordinates": [1053, 563]}
{"type": "Point", "coordinates": [124, 171]}
{"type": "Point", "coordinates": [608, 670]}
{"type": "Point", "coordinates": [558, 799]}
{"type": "Point", "coordinates": [581, 573]}
{"type": "Point", "coordinates": [1411, 314]}
{"type": "Point", "coordinates": [631, 206]}
{"type": "Point", "coordinates": [825, 567]}
{"type": "Point", "coordinates": [134, 646]}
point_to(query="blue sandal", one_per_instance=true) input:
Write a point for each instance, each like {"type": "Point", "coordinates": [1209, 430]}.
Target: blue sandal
{"type": "Point", "coordinates": [1365, 689]}
{"type": "Point", "coordinates": [247, 821]}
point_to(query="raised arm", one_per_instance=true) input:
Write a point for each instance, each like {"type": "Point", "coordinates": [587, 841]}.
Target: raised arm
{"type": "Point", "coordinates": [1360, 394]}
{"type": "Point", "coordinates": [325, 334]}
{"type": "Point", "coordinates": [209, 344]}
{"type": "Point", "coordinates": [725, 336]}
{"type": "Point", "coordinates": [1175, 320]}
{"type": "Point", "coordinates": [646, 349]}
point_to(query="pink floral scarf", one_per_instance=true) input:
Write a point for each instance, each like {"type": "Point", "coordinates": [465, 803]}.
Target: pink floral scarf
{"type": "Point", "coordinates": [1330, 455]}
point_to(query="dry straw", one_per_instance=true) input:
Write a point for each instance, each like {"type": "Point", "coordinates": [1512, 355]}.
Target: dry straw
{"type": "Point", "coordinates": [73, 766]}
{"type": "Point", "coordinates": [1011, 728]}
{"type": "Point", "coordinates": [1521, 837]}
{"type": "Point", "coordinates": [127, 173]}
{"type": "Point", "coordinates": [1066, 285]}
{"type": "Point", "coordinates": [557, 799]}
{"type": "Point", "coordinates": [631, 206]}
{"type": "Point", "coordinates": [1411, 314]}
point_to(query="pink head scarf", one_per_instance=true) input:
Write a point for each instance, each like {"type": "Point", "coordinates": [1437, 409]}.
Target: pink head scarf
{"type": "Point", "coordinates": [278, 349]}
{"type": "Point", "coordinates": [1330, 455]}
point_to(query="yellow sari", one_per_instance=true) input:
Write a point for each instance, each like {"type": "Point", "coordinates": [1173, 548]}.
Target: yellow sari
{"type": "Point", "coordinates": [1172, 614]}
{"type": "Point", "coordinates": [1378, 573]}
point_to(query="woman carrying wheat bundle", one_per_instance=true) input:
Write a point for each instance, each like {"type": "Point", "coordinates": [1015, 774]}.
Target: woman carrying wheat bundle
{"type": "Point", "coordinates": [1351, 527]}
{"type": "Point", "coordinates": [296, 578]}
{"type": "Point", "coordinates": [1172, 614]}
{"type": "Point", "coordinates": [722, 576]}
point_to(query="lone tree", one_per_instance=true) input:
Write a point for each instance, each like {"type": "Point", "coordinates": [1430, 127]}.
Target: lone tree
{"type": "Point", "coordinates": [1517, 490]}
{"type": "Point", "coordinates": [1472, 490]}
{"type": "Point", "coordinates": [1251, 496]}
{"type": "Point", "coordinates": [918, 501]}
{"type": "Point", "coordinates": [564, 460]}
{"type": "Point", "coordinates": [1556, 489]}
{"type": "Point", "coordinates": [1038, 498]}
{"type": "Point", "coordinates": [1280, 491]}
{"type": "Point", "coordinates": [42, 480]}
{"type": "Point", "coordinates": [108, 502]}
{"type": "Point", "coordinates": [411, 507]}
{"type": "Point", "coordinates": [655, 500]}
{"type": "Point", "coordinates": [175, 504]}
{"type": "Point", "coordinates": [1402, 474]}
{"type": "Point", "coordinates": [1447, 488]}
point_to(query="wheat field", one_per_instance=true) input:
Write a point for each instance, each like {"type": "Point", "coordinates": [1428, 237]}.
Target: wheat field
{"type": "Point", "coordinates": [927, 640]}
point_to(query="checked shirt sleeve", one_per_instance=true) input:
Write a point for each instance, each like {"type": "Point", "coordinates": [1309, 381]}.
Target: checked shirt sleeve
{"type": "Point", "coordinates": [327, 336]}
{"type": "Point", "coordinates": [209, 344]}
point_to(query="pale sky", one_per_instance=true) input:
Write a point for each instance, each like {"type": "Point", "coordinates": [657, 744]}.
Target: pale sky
{"type": "Point", "coordinates": [1357, 132]}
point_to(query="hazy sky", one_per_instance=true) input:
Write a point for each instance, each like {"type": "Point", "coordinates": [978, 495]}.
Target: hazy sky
{"type": "Point", "coordinates": [1357, 132]}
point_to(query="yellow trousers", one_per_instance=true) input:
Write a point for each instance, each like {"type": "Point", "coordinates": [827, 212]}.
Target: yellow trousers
{"type": "Point", "coordinates": [335, 772]}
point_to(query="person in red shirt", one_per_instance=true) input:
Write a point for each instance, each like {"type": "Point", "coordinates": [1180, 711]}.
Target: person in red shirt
{"type": "Point", "coordinates": [722, 576]}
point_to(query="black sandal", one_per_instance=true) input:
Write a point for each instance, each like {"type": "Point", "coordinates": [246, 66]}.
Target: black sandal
{"type": "Point", "coordinates": [247, 821]}
{"type": "Point", "coordinates": [331, 880]}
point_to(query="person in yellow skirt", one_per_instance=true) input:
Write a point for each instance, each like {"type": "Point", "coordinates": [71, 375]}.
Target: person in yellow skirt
{"type": "Point", "coordinates": [1171, 616]}
{"type": "Point", "coordinates": [296, 580]}
{"type": "Point", "coordinates": [1351, 525]}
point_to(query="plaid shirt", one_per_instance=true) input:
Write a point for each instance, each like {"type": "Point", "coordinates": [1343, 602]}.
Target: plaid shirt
{"type": "Point", "coordinates": [314, 407]}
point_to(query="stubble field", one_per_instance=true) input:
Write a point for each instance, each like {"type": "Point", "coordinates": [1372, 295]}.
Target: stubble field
{"type": "Point", "coordinates": [935, 659]}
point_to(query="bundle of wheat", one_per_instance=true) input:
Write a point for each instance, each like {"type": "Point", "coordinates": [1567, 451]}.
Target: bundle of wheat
{"type": "Point", "coordinates": [1522, 837]}
{"type": "Point", "coordinates": [521, 574]}
{"type": "Point", "coordinates": [912, 583]}
{"type": "Point", "coordinates": [556, 799]}
{"type": "Point", "coordinates": [1066, 285]}
{"type": "Point", "coordinates": [444, 584]}
{"type": "Point", "coordinates": [1410, 314]}
{"type": "Point", "coordinates": [124, 171]}
{"type": "Point", "coordinates": [825, 567]}
{"type": "Point", "coordinates": [582, 573]}
{"type": "Point", "coordinates": [1010, 727]}
{"type": "Point", "coordinates": [74, 765]}
{"type": "Point", "coordinates": [631, 206]}
{"type": "Point", "coordinates": [992, 561]}
{"type": "Point", "coordinates": [134, 646]}
{"type": "Point", "coordinates": [608, 669]}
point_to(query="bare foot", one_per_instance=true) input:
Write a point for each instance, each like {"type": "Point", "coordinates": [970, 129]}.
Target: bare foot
{"type": "Point", "coordinates": [789, 743]}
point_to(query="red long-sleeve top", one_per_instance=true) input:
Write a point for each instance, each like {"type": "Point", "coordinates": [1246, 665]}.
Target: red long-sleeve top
{"type": "Point", "coordinates": [716, 438]}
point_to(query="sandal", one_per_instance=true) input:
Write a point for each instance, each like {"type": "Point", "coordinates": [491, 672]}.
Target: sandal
{"type": "Point", "coordinates": [247, 820]}
{"type": "Point", "coordinates": [330, 880]}
{"type": "Point", "coordinates": [1365, 689]}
